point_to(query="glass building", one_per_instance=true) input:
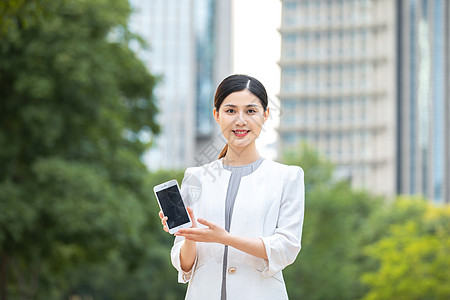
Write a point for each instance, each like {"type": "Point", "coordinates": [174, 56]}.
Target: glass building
{"type": "Point", "coordinates": [337, 90]}
{"type": "Point", "coordinates": [423, 121]}
{"type": "Point", "coordinates": [185, 40]}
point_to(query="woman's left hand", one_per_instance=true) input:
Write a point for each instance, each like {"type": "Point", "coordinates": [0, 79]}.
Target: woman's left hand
{"type": "Point", "coordinates": [212, 234]}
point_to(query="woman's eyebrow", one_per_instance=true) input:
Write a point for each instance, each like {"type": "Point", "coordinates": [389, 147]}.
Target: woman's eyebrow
{"type": "Point", "coordinates": [249, 105]}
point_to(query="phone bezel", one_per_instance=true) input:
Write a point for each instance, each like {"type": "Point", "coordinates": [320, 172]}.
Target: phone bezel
{"type": "Point", "coordinates": [166, 185]}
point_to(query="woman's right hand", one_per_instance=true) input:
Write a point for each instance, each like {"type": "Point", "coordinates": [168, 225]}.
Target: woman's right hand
{"type": "Point", "coordinates": [164, 219]}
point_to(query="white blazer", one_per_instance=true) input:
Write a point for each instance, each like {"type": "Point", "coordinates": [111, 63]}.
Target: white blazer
{"type": "Point", "coordinates": [269, 205]}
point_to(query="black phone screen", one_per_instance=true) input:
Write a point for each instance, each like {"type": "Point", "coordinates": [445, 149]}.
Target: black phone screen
{"type": "Point", "coordinates": [172, 206]}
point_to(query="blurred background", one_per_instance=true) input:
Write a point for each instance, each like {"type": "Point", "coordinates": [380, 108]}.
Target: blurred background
{"type": "Point", "coordinates": [102, 100]}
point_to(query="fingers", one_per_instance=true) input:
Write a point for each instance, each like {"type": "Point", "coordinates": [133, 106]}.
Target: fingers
{"type": "Point", "coordinates": [210, 234]}
{"type": "Point", "coordinates": [191, 215]}
{"type": "Point", "coordinates": [197, 234]}
{"type": "Point", "coordinates": [190, 237]}
{"type": "Point", "coordinates": [163, 221]}
{"type": "Point", "coordinates": [192, 234]}
{"type": "Point", "coordinates": [190, 211]}
{"type": "Point", "coordinates": [207, 223]}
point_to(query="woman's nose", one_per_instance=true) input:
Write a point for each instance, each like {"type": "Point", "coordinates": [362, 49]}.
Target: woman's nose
{"type": "Point", "coordinates": [240, 120]}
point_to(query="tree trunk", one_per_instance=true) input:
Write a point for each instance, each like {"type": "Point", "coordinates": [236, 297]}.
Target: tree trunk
{"type": "Point", "coordinates": [27, 278]}
{"type": "Point", "coordinates": [3, 276]}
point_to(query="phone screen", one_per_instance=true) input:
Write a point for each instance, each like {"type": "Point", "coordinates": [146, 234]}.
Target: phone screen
{"type": "Point", "coordinates": [172, 206]}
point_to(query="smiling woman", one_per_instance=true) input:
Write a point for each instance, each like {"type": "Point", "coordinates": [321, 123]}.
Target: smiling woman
{"type": "Point", "coordinates": [251, 208]}
{"type": "Point", "coordinates": [240, 115]}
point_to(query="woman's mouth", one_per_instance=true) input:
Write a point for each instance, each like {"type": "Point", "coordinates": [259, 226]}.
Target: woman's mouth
{"type": "Point", "coordinates": [240, 133]}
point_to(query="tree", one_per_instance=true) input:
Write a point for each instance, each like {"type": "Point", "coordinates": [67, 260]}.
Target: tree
{"type": "Point", "coordinates": [19, 14]}
{"type": "Point", "coordinates": [334, 233]}
{"type": "Point", "coordinates": [412, 256]}
{"type": "Point", "coordinates": [75, 104]}
{"type": "Point", "coordinates": [152, 278]}
{"type": "Point", "coordinates": [358, 246]}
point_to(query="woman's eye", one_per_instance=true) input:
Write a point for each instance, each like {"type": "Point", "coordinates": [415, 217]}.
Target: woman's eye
{"type": "Point", "coordinates": [251, 111]}
{"type": "Point", "coordinates": [230, 111]}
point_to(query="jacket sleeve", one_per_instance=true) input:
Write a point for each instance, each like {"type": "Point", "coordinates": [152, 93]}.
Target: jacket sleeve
{"type": "Point", "coordinates": [284, 245]}
{"type": "Point", "coordinates": [183, 277]}
{"type": "Point", "coordinates": [190, 190]}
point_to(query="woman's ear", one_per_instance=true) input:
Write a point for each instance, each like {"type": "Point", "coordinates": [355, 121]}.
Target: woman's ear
{"type": "Point", "coordinates": [216, 115]}
{"type": "Point", "coordinates": [266, 115]}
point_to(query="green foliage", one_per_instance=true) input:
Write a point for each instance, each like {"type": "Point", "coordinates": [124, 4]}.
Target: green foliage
{"type": "Point", "coordinates": [19, 14]}
{"type": "Point", "coordinates": [75, 101]}
{"type": "Point", "coordinates": [153, 277]}
{"type": "Point", "coordinates": [318, 169]}
{"type": "Point", "coordinates": [413, 254]}
{"type": "Point", "coordinates": [356, 246]}
{"type": "Point", "coordinates": [77, 210]}
{"type": "Point", "coordinates": [330, 262]}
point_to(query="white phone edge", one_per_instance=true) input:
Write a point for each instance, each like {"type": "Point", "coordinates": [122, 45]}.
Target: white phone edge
{"type": "Point", "coordinates": [166, 185]}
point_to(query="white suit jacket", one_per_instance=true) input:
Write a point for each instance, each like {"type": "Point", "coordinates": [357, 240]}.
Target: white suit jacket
{"type": "Point", "coordinates": [269, 205]}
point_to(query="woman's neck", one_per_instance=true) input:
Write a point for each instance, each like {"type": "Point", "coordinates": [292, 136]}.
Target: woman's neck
{"type": "Point", "coordinates": [241, 156]}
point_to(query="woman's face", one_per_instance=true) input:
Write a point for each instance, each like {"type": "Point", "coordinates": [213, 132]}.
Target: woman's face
{"type": "Point", "coordinates": [241, 117]}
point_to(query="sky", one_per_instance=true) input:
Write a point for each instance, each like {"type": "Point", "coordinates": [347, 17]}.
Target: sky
{"type": "Point", "coordinates": [256, 53]}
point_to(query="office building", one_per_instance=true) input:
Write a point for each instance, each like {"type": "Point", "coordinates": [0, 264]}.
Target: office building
{"type": "Point", "coordinates": [423, 117]}
{"type": "Point", "coordinates": [185, 39]}
{"type": "Point", "coordinates": [338, 90]}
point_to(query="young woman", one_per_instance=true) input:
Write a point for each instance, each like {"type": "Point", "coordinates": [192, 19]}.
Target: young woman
{"type": "Point", "coordinates": [250, 208]}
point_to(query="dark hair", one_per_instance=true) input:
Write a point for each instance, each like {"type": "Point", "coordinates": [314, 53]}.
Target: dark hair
{"type": "Point", "coordinates": [237, 83]}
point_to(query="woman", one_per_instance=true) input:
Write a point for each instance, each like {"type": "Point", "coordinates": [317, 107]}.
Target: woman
{"type": "Point", "coordinates": [250, 208]}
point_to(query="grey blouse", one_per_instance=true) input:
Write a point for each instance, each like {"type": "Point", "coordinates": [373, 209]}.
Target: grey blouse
{"type": "Point", "coordinates": [237, 172]}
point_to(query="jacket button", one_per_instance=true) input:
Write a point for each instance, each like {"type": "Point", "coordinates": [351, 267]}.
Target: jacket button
{"type": "Point", "coordinates": [232, 270]}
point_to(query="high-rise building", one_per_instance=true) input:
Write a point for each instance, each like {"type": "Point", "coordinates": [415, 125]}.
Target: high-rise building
{"type": "Point", "coordinates": [423, 78]}
{"type": "Point", "coordinates": [337, 89]}
{"type": "Point", "coordinates": [190, 49]}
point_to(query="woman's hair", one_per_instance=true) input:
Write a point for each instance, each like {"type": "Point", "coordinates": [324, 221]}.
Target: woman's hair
{"type": "Point", "coordinates": [237, 83]}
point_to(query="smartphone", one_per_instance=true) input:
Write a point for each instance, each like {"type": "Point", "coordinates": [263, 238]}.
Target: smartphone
{"type": "Point", "coordinates": [172, 205]}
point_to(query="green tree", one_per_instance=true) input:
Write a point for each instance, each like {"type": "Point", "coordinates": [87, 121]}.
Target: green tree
{"type": "Point", "coordinates": [412, 255]}
{"type": "Point", "coordinates": [19, 14]}
{"type": "Point", "coordinates": [152, 278]}
{"type": "Point", "coordinates": [75, 105]}
{"type": "Point", "coordinates": [331, 261]}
